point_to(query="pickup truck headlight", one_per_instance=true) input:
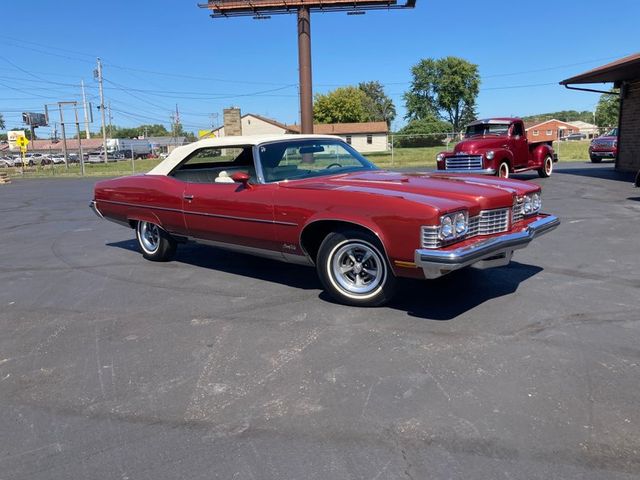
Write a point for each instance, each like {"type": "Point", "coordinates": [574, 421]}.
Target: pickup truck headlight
{"type": "Point", "coordinates": [440, 157]}
{"type": "Point", "coordinates": [454, 225]}
{"type": "Point", "coordinates": [490, 154]}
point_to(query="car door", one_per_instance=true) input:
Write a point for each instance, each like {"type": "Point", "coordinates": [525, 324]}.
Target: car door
{"type": "Point", "coordinates": [219, 210]}
{"type": "Point", "coordinates": [519, 146]}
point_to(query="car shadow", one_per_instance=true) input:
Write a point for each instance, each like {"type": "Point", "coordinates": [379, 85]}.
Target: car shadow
{"type": "Point", "coordinates": [601, 171]}
{"type": "Point", "coordinates": [443, 299]}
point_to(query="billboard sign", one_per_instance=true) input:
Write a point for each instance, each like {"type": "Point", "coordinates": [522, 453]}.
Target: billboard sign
{"type": "Point", "coordinates": [34, 119]}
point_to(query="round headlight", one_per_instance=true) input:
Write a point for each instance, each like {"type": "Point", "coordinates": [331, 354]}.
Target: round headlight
{"type": "Point", "coordinates": [490, 154]}
{"type": "Point", "coordinates": [446, 230]}
{"type": "Point", "coordinates": [537, 202]}
{"type": "Point", "coordinates": [528, 205]}
{"type": "Point", "coordinates": [460, 223]}
{"type": "Point", "coordinates": [440, 157]}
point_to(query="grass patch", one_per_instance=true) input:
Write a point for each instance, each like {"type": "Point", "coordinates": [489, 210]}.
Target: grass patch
{"type": "Point", "coordinates": [111, 169]}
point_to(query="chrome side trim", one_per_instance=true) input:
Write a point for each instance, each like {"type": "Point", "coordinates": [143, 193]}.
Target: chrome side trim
{"type": "Point", "coordinates": [94, 206]}
{"type": "Point", "coordinates": [493, 252]}
{"type": "Point", "coordinates": [228, 217]}
{"type": "Point", "coordinates": [258, 252]}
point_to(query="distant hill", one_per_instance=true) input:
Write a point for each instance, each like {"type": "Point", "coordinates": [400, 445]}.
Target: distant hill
{"type": "Point", "coordinates": [564, 116]}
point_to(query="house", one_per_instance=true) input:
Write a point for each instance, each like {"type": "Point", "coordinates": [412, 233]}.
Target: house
{"type": "Point", "coordinates": [589, 129]}
{"type": "Point", "coordinates": [365, 137]}
{"type": "Point", "coordinates": [56, 145]}
{"type": "Point", "coordinates": [252, 124]}
{"type": "Point", "coordinates": [625, 75]}
{"type": "Point", "coordinates": [549, 130]}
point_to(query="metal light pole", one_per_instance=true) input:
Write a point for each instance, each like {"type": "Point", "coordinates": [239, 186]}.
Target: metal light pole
{"type": "Point", "coordinates": [102, 114]}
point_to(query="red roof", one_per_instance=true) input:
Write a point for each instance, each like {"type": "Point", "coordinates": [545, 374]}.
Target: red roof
{"type": "Point", "coordinates": [72, 144]}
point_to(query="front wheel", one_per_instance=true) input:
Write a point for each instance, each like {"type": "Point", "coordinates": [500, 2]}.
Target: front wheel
{"type": "Point", "coordinates": [155, 244]}
{"type": "Point", "coordinates": [503, 170]}
{"type": "Point", "coordinates": [353, 269]}
{"type": "Point", "coordinates": [547, 167]}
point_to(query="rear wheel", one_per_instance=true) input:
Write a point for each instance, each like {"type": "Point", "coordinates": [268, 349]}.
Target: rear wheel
{"type": "Point", "coordinates": [503, 170]}
{"type": "Point", "coordinates": [353, 269]}
{"type": "Point", "coordinates": [155, 244]}
{"type": "Point", "coordinates": [547, 167]}
{"type": "Point", "coordinates": [595, 159]}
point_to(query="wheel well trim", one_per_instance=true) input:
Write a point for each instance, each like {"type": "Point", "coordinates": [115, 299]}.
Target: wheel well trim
{"type": "Point", "coordinates": [362, 225]}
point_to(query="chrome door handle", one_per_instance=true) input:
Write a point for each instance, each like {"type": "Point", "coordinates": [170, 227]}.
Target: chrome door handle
{"type": "Point", "coordinates": [188, 198]}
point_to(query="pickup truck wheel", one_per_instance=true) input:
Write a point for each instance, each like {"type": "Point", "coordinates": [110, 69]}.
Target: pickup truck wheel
{"type": "Point", "coordinates": [354, 270]}
{"type": "Point", "coordinates": [503, 170]}
{"type": "Point", "coordinates": [155, 244]}
{"type": "Point", "coordinates": [547, 167]}
{"type": "Point", "coordinates": [595, 159]}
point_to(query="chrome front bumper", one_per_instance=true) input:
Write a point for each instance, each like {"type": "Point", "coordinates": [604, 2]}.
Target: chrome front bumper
{"type": "Point", "coordinates": [476, 171]}
{"type": "Point", "coordinates": [492, 252]}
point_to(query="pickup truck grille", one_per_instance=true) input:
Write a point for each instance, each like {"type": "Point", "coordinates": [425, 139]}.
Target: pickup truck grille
{"type": "Point", "coordinates": [463, 162]}
{"type": "Point", "coordinates": [603, 143]}
{"type": "Point", "coordinates": [488, 222]}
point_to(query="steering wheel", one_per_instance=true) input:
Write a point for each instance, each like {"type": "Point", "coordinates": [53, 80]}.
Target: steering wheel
{"type": "Point", "coordinates": [333, 165]}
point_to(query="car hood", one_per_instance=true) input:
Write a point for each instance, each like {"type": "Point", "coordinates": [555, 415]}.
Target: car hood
{"type": "Point", "coordinates": [608, 138]}
{"type": "Point", "coordinates": [479, 144]}
{"type": "Point", "coordinates": [445, 192]}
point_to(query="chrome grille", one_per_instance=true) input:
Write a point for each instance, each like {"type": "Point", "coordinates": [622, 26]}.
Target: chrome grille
{"type": "Point", "coordinates": [489, 222]}
{"type": "Point", "coordinates": [430, 237]}
{"type": "Point", "coordinates": [464, 162]}
{"type": "Point", "coordinates": [518, 211]}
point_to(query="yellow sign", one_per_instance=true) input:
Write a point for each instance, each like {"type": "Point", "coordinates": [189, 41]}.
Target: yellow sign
{"type": "Point", "coordinates": [22, 142]}
{"type": "Point", "coordinates": [206, 134]}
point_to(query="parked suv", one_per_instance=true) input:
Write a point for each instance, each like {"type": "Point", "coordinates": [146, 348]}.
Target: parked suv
{"type": "Point", "coordinates": [605, 146]}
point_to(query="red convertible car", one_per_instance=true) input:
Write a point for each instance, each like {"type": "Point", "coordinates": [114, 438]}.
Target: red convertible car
{"type": "Point", "coordinates": [314, 200]}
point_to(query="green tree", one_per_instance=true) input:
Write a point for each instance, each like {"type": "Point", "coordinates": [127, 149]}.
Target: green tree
{"type": "Point", "coordinates": [607, 110]}
{"type": "Point", "coordinates": [426, 132]}
{"type": "Point", "coordinates": [1, 122]}
{"type": "Point", "coordinates": [378, 106]}
{"type": "Point", "coordinates": [342, 105]}
{"type": "Point", "coordinates": [446, 88]}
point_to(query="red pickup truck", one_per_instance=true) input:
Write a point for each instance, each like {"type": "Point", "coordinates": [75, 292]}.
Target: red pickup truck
{"type": "Point", "coordinates": [498, 146]}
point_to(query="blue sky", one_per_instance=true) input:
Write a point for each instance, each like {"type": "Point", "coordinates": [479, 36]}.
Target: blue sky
{"type": "Point", "coordinates": [160, 53]}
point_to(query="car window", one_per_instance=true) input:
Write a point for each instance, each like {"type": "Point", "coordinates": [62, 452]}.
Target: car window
{"type": "Point", "coordinates": [215, 165]}
{"type": "Point", "coordinates": [309, 158]}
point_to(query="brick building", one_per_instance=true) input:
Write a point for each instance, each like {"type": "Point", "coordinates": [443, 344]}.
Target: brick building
{"type": "Point", "coordinates": [549, 130]}
{"type": "Point", "coordinates": [625, 75]}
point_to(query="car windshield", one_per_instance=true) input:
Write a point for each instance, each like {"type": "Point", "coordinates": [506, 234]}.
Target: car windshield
{"type": "Point", "coordinates": [482, 129]}
{"type": "Point", "coordinates": [298, 159]}
{"type": "Point", "coordinates": [613, 132]}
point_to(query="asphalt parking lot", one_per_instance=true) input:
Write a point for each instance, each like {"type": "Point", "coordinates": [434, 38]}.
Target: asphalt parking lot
{"type": "Point", "coordinates": [221, 365]}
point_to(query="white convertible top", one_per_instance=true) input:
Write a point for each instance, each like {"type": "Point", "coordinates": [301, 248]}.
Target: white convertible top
{"type": "Point", "coordinates": [180, 153]}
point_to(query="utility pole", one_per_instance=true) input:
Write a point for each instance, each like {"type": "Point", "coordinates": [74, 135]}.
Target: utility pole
{"type": "Point", "coordinates": [80, 152]}
{"type": "Point", "coordinates": [86, 112]}
{"type": "Point", "coordinates": [98, 74]}
{"type": "Point", "coordinates": [304, 62]}
{"type": "Point", "coordinates": [110, 120]}
{"type": "Point", "coordinates": [64, 136]}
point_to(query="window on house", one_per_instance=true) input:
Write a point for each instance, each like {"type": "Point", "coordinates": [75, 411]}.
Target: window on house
{"type": "Point", "coordinates": [369, 139]}
{"type": "Point", "coordinates": [348, 139]}
{"type": "Point", "coordinates": [549, 133]}
{"type": "Point", "coordinates": [536, 133]}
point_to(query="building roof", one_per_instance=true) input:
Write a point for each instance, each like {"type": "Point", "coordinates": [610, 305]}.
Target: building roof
{"type": "Point", "coordinates": [72, 144]}
{"type": "Point", "coordinates": [530, 125]}
{"type": "Point", "coordinates": [627, 68]}
{"type": "Point", "coordinates": [583, 125]}
{"type": "Point", "coordinates": [165, 141]}
{"type": "Point", "coordinates": [346, 128]}
{"type": "Point", "coordinates": [179, 153]}
{"type": "Point", "coordinates": [275, 123]}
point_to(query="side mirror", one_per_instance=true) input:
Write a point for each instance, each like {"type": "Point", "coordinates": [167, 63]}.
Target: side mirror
{"type": "Point", "coordinates": [243, 178]}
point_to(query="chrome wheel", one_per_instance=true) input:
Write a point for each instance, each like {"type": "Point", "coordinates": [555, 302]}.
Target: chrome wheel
{"type": "Point", "coordinates": [357, 267]}
{"type": "Point", "coordinates": [149, 235]}
{"type": "Point", "coordinates": [548, 166]}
